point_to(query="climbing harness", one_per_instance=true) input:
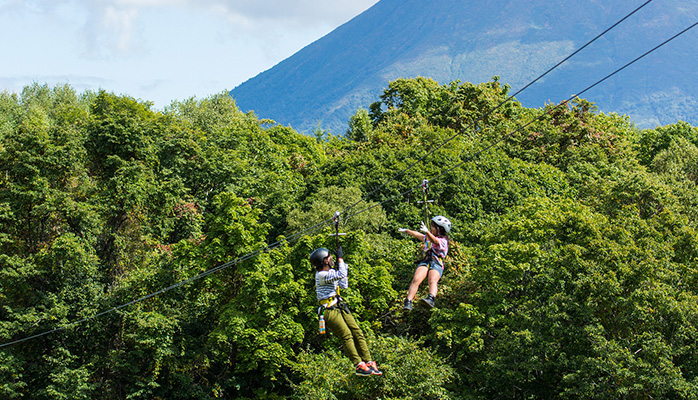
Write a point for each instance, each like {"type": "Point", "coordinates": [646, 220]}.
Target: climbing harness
{"type": "Point", "coordinates": [332, 303]}
{"type": "Point", "coordinates": [429, 255]}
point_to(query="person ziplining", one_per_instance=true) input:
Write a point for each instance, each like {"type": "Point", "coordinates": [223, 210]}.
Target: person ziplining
{"type": "Point", "coordinates": [335, 311]}
{"type": "Point", "coordinates": [436, 242]}
{"type": "Point", "coordinates": [431, 266]}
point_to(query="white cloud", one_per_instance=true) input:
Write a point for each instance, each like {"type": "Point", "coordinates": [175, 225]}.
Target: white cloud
{"type": "Point", "coordinates": [120, 22]}
{"type": "Point", "coordinates": [113, 28]}
{"type": "Point", "coordinates": [301, 12]}
{"type": "Point", "coordinates": [158, 50]}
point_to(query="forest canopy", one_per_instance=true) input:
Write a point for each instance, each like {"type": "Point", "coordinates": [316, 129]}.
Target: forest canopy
{"type": "Point", "coordinates": [572, 271]}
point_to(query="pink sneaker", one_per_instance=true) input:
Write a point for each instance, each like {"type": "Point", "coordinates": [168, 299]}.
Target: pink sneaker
{"type": "Point", "coordinates": [374, 368]}
{"type": "Point", "coordinates": [362, 369]}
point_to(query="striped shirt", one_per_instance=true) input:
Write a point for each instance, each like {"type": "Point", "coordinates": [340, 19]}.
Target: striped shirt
{"type": "Point", "coordinates": [326, 282]}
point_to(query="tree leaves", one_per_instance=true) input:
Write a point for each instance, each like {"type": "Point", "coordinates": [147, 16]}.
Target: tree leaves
{"type": "Point", "coordinates": [572, 270]}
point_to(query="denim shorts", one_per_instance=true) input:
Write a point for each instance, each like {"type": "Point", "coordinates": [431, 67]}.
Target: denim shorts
{"type": "Point", "coordinates": [432, 264]}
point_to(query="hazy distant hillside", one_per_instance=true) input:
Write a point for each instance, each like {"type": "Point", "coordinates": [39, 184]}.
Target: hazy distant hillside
{"type": "Point", "coordinates": [473, 40]}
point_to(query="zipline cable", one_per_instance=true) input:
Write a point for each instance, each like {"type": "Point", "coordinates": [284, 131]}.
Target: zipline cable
{"type": "Point", "coordinates": [321, 224]}
{"type": "Point", "coordinates": [238, 260]}
{"type": "Point", "coordinates": [563, 103]}
{"type": "Point", "coordinates": [486, 148]}
{"type": "Point", "coordinates": [474, 124]}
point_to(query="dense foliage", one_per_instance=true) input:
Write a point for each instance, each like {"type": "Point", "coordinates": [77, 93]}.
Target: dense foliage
{"type": "Point", "coordinates": [573, 270]}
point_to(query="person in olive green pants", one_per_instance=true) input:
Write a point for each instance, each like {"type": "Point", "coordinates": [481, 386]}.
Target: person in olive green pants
{"type": "Point", "coordinates": [336, 313]}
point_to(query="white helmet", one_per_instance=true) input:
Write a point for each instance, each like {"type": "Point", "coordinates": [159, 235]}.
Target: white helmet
{"type": "Point", "coordinates": [443, 222]}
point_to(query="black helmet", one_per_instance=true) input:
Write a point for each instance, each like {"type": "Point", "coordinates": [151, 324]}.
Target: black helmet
{"type": "Point", "coordinates": [318, 256]}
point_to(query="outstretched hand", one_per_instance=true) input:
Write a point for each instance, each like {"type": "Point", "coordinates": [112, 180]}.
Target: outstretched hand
{"type": "Point", "coordinates": [423, 228]}
{"type": "Point", "coordinates": [402, 230]}
{"type": "Point", "coordinates": [339, 252]}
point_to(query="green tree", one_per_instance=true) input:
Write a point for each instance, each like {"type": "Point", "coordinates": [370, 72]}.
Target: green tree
{"type": "Point", "coordinates": [549, 266]}
{"type": "Point", "coordinates": [322, 206]}
{"type": "Point", "coordinates": [571, 271]}
{"type": "Point", "coordinates": [653, 141]}
{"type": "Point", "coordinates": [412, 102]}
{"type": "Point", "coordinates": [680, 159]}
{"type": "Point", "coordinates": [411, 371]}
{"type": "Point", "coordinates": [359, 126]}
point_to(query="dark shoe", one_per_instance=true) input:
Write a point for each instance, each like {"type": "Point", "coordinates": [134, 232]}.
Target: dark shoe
{"type": "Point", "coordinates": [362, 369]}
{"type": "Point", "coordinates": [407, 305]}
{"type": "Point", "coordinates": [429, 300]}
{"type": "Point", "coordinates": [374, 368]}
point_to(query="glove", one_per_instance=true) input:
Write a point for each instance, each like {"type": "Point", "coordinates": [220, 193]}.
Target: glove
{"type": "Point", "coordinates": [423, 228]}
{"type": "Point", "coordinates": [402, 230]}
{"type": "Point", "coordinates": [339, 252]}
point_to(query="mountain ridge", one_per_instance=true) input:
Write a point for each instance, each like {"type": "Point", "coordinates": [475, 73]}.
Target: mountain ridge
{"type": "Point", "coordinates": [324, 83]}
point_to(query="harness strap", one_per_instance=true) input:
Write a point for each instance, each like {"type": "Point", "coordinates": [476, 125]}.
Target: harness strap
{"type": "Point", "coordinates": [438, 259]}
{"type": "Point", "coordinates": [329, 302]}
{"type": "Point", "coordinates": [429, 252]}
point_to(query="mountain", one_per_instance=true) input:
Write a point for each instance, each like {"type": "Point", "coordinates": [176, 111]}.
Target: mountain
{"type": "Point", "coordinates": [323, 84]}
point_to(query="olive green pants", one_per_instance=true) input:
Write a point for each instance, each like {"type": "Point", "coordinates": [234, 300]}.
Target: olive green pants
{"type": "Point", "coordinates": [343, 324]}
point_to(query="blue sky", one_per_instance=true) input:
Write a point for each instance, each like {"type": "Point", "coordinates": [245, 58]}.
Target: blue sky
{"type": "Point", "coordinates": [157, 50]}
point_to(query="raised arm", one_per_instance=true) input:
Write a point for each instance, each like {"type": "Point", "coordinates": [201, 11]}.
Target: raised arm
{"type": "Point", "coordinates": [412, 233]}
{"type": "Point", "coordinates": [418, 235]}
